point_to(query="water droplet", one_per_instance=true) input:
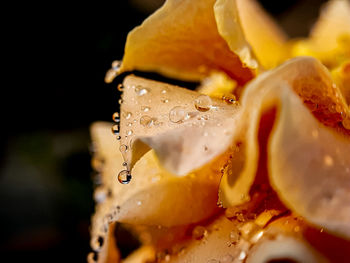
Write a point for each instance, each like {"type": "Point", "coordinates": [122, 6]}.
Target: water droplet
{"type": "Point", "coordinates": [231, 99]}
{"type": "Point", "coordinates": [127, 115]}
{"type": "Point", "coordinates": [199, 232]}
{"type": "Point", "coordinates": [242, 255]}
{"type": "Point", "coordinates": [123, 148]}
{"type": "Point", "coordinates": [140, 91]}
{"type": "Point", "coordinates": [129, 132]}
{"type": "Point", "coordinates": [163, 91]}
{"type": "Point", "coordinates": [129, 124]}
{"type": "Point", "coordinates": [139, 203]}
{"type": "Point", "coordinates": [177, 114]}
{"type": "Point", "coordinates": [124, 177]}
{"type": "Point", "coordinates": [346, 123]}
{"type": "Point", "coordinates": [100, 194]}
{"type": "Point", "coordinates": [125, 164]}
{"type": "Point", "coordinates": [249, 230]}
{"type": "Point", "coordinates": [120, 87]}
{"type": "Point", "coordinates": [145, 108]}
{"type": "Point", "coordinates": [119, 137]}
{"type": "Point", "coordinates": [147, 121]}
{"type": "Point", "coordinates": [165, 101]}
{"type": "Point", "coordinates": [97, 243]}
{"type": "Point", "coordinates": [328, 160]}
{"type": "Point", "coordinates": [203, 103]}
{"type": "Point", "coordinates": [234, 236]}
{"type": "Point", "coordinates": [115, 117]}
{"type": "Point", "coordinates": [115, 129]}
{"type": "Point", "coordinates": [116, 64]}
{"type": "Point", "coordinates": [92, 257]}
{"type": "Point", "coordinates": [120, 101]}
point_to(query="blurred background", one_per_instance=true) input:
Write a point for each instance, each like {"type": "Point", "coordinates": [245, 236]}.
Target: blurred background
{"type": "Point", "coordinates": [59, 54]}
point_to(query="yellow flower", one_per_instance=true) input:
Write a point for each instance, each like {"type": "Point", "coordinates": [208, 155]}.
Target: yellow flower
{"type": "Point", "coordinates": [254, 165]}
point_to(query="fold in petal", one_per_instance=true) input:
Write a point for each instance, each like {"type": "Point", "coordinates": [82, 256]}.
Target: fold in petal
{"type": "Point", "coordinates": [298, 154]}
{"type": "Point", "coordinates": [250, 32]}
{"type": "Point", "coordinates": [180, 40]}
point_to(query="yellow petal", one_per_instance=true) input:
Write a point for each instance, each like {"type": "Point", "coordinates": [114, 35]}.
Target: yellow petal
{"type": "Point", "coordinates": [185, 128]}
{"type": "Point", "coordinates": [181, 40]}
{"type": "Point", "coordinates": [250, 32]}
{"type": "Point", "coordinates": [329, 40]}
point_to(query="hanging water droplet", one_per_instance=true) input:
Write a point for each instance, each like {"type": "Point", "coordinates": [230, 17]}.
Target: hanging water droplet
{"type": "Point", "coordinates": [129, 132]}
{"type": "Point", "coordinates": [115, 129]}
{"type": "Point", "coordinates": [123, 148]}
{"type": "Point", "coordinates": [199, 232]}
{"type": "Point", "coordinates": [124, 177]}
{"type": "Point", "coordinates": [177, 114]}
{"type": "Point", "coordinates": [115, 117]}
{"type": "Point", "coordinates": [147, 121]}
{"type": "Point", "coordinates": [145, 108]}
{"type": "Point", "coordinates": [116, 64]}
{"type": "Point", "coordinates": [92, 257]}
{"type": "Point", "coordinates": [100, 194]}
{"type": "Point", "coordinates": [97, 243]}
{"type": "Point", "coordinates": [140, 91]}
{"type": "Point", "coordinates": [203, 103]}
{"type": "Point", "coordinates": [120, 87]}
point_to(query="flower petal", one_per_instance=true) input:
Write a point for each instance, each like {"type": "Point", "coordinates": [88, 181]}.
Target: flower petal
{"type": "Point", "coordinates": [181, 40]}
{"type": "Point", "coordinates": [185, 128]}
{"type": "Point", "coordinates": [250, 32]}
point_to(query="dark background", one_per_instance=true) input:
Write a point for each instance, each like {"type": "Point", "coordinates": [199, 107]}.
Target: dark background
{"type": "Point", "coordinates": [52, 90]}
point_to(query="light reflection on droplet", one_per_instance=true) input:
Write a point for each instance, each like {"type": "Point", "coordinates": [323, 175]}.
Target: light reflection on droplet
{"type": "Point", "coordinates": [203, 103]}
{"type": "Point", "coordinates": [177, 114]}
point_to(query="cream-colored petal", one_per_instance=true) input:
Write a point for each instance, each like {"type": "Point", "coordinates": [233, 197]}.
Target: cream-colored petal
{"type": "Point", "coordinates": [278, 90]}
{"type": "Point", "coordinates": [180, 40]}
{"type": "Point", "coordinates": [151, 198]}
{"type": "Point", "coordinates": [184, 136]}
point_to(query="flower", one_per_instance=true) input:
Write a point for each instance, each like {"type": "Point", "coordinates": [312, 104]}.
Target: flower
{"type": "Point", "coordinates": [265, 137]}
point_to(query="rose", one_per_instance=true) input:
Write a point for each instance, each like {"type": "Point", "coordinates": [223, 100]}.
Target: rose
{"type": "Point", "coordinates": [283, 133]}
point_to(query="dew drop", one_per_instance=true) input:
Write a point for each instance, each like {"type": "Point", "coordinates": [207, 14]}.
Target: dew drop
{"type": "Point", "coordinates": [120, 101]}
{"type": "Point", "coordinates": [127, 115]}
{"type": "Point", "coordinates": [163, 91]}
{"type": "Point", "coordinates": [140, 91]}
{"type": "Point", "coordinates": [120, 87]}
{"type": "Point", "coordinates": [115, 129]}
{"type": "Point", "coordinates": [125, 164]}
{"type": "Point", "coordinates": [177, 114]}
{"type": "Point", "coordinates": [249, 230]}
{"type": "Point", "coordinates": [346, 123]}
{"type": "Point", "coordinates": [97, 243]}
{"type": "Point", "coordinates": [115, 117]}
{"type": "Point", "coordinates": [328, 160]}
{"type": "Point", "coordinates": [124, 177]}
{"type": "Point", "coordinates": [119, 137]}
{"type": "Point", "coordinates": [203, 103]}
{"type": "Point", "coordinates": [92, 257]}
{"type": "Point", "coordinates": [165, 101]}
{"type": "Point", "coordinates": [146, 121]}
{"type": "Point", "coordinates": [139, 203]}
{"type": "Point", "coordinates": [100, 194]}
{"type": "Point", "coordinates": [129, 132]}
{"type": "Point", "coordinates": [123, 148]}
{"type": "Point", "coordinates": [231, 99]}
{"type": "Point", "coordinates": [199, 232]}
{"type": "Point", "coordinates": [242, 255]}
{"type": "Point", "coordinates": [234, 237]}
{"type": "Point", "coordinates": [145, 108]}
{"type": "Point", "coordinates": [116, 64]}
